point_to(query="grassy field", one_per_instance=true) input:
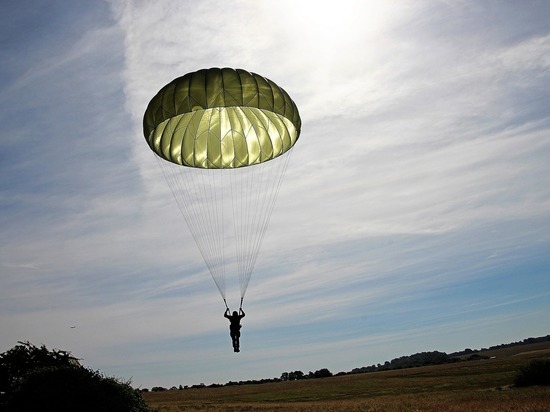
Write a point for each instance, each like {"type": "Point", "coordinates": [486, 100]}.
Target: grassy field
{"type": "Point", "coordinates": [484, 385]}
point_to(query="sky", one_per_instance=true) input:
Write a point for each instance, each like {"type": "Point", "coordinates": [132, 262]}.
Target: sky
{"type": "Point", "coordinates": [414, 214]}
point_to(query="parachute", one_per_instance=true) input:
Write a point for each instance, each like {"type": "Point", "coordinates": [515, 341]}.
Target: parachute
{"type": "Point", "coordinates": [223, 139]}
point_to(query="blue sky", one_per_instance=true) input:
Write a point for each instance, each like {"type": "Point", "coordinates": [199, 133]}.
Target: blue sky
{"type": "Point", "coordinates": [414, 216]}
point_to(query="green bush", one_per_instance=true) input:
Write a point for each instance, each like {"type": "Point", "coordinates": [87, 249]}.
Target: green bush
{"type": "Point", "coordinates": [74, 389]}
{"type": "Point", "coordinates": [35, 379]}
{"type": "Point", "coordinates": [24, 358]}
{"type": "Point", "coordinates": [537, 372]}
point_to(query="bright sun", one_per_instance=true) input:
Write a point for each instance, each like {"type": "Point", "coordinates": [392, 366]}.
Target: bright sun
{"type": "Point", "coordinates": [337, 19]}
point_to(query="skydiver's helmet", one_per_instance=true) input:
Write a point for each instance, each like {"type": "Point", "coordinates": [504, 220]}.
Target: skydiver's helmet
{"type": "Point", "coordinates": [235, 313]}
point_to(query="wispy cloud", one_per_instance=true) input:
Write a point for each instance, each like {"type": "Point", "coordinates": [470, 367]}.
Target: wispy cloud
{"type": "Point", "coordinates": [414, 213]}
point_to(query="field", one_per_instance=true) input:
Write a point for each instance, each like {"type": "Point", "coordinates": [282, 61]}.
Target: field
{"type": "Point", "coordinates": [484, 385]}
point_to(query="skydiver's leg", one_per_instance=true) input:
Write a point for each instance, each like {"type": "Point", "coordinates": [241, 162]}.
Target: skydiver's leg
{"type": "Point", "coordinates": [236, 342]}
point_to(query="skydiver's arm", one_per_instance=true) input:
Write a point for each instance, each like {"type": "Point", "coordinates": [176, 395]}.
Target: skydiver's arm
{"type": "Point", "coordinates": [242, 313]}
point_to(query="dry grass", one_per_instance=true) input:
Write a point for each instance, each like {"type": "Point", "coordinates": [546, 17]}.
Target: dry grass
{"type": "Point", "coordinates": [466, 386]}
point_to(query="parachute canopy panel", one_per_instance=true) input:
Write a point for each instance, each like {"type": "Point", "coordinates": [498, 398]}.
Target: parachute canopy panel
{"type": "Point", "coordinates": [221, 119]}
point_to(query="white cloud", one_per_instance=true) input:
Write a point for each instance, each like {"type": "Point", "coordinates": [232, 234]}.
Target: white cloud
{"type": "Point", "coordinates": [421, 170]}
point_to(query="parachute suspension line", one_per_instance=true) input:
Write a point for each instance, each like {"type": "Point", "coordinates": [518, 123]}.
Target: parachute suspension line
{"type": "Point", "coordinates": [221, 218]}
{"type": "Point", "coordinates": [186, 184]}
{"type": "Point", "coordinates": [216, 186]}
{"type": "Point", "coordinates": [210, 210]}
{"type": "Point", "coordinates": [276, 177]}
{"type": "Point", "coordinates": [201, 195]}
{"type": "Point", "coordinates": [196, 196]}
{"type": "Point", "coordinates": [254, 193]}
{"type": "Point", "coordinates": [240, 192]}
{"type": "Point", "coordinates": [254, 210]}
{"type": "Point", "coordinates": [246, 221]}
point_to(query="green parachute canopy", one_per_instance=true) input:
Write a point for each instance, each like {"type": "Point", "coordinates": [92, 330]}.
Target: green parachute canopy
{"type": "Point", "coordinates": [221, 119]}
{"type": "Point", "coordinates": [216, 122]}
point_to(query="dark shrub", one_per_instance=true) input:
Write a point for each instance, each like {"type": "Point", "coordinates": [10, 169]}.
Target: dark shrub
{"type": "Point", "coordinates": [65, 389]}
{"type": "Point", "coordinates": [35, 379]}
{"type": "Point", "coordinates": [537, 372]}
{"type": "Point", "coordinates": [24, 358]}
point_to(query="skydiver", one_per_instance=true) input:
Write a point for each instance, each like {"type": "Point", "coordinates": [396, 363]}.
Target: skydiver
{"type": "Point", "coordinates": [235, 326]}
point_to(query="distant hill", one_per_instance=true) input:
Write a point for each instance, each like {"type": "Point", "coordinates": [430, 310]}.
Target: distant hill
{"type": "Point", "coordinates": [505, 349]}
{"type": "Point", "coordinates": [437, 358]}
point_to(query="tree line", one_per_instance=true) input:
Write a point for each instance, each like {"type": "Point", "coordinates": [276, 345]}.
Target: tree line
{"type": "Point", "coordinates": [526, 341]}
{"type": "Point", "coordinates": [285, 376]}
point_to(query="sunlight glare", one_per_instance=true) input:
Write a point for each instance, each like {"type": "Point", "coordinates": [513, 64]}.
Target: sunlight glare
{"type": "Point", "coordinates": [331, 20]}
